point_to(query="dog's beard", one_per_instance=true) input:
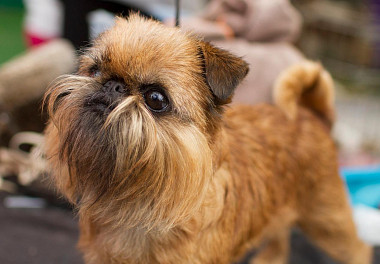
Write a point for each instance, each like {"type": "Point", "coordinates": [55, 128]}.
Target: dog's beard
{"type": "Point", "coordinates": [126, 167]}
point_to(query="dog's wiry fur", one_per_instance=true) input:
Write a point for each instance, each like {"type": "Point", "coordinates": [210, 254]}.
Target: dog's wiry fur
{"type": "Point", "coordinates": [305, 84]}
{"type": "Point", "coordinates": [200, 182]}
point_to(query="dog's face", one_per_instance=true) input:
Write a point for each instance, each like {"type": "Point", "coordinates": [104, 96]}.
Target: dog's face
{"type": "Point", "coordinates": [132, 133]}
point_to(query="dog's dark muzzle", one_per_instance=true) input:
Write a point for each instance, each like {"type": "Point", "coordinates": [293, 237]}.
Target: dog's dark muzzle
{"type": "Point", "coordinates": [107, 98]}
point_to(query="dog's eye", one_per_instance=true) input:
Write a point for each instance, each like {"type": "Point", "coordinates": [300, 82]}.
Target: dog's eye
{"type": "Point", "coordinates": [95, 71]}
{"type": "Point", "coordinates": [156, 100]}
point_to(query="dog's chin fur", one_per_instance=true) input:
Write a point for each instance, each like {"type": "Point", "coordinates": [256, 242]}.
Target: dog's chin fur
{"type": "Point", "coordinates": [193, 184]}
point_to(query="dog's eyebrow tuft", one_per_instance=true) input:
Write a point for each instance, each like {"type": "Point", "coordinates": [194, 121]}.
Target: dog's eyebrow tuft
{"type": "Point", "coordinates": [96, 60]}
{"type": "Point", "coordinates": [96, 65]}
{"type": "Point", "coordinates": [106, 55]}
{"type": "Point", "coordinates": [201, 56]}
{"type": "Point", "coordinates": [147, 86]}
{"type": "Point", "coordinates": [94, 57]}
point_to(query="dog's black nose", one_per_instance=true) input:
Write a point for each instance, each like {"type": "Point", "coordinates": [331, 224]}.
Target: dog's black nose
{"type": "Point", "coordinates": [114, 87]}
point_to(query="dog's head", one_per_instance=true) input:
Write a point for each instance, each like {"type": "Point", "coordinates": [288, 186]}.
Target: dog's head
{"type": "Point", "coordinates": [132, 133]}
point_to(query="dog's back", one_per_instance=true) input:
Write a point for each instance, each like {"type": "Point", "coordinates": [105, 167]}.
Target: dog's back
{"type": "Point", "coordinates": [286, 167]}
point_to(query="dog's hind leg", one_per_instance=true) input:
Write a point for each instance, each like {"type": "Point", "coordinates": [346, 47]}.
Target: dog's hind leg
{"type": "Point", "coordinates": [327, 219]}
{"type": "Point", "coordinates": [275, 251]}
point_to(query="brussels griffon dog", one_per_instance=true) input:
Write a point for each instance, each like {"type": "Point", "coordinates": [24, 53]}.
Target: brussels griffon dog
{"type": "Point", "coordinates": [162, 171]}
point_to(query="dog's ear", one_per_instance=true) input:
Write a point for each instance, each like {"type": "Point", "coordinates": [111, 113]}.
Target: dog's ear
{"type": "Point", "coordinates": [223, 71]}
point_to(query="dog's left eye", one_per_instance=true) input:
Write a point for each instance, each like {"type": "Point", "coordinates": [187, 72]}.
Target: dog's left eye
{"type": "Point", "coordinates": [156, 100]}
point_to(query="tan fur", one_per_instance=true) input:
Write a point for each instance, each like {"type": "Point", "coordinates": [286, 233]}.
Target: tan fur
{"type": "Point", "coordinates": [307, 84]}
{"type": "Point", "coordinates": [200, 182]}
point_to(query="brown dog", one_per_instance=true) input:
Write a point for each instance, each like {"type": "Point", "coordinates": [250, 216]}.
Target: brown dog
{"type": "Point", "coordinates": [161, 171]}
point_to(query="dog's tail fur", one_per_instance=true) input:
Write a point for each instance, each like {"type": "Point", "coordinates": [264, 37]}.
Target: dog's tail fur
{"type": "Point", "coordinates": [307, 84]}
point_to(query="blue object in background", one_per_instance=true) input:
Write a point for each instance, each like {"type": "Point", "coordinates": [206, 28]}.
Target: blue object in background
{"type": "Point", "coordinates": [363, 184]}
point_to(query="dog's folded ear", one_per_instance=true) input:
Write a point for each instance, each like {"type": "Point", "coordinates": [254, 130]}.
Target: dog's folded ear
{"type": "Point", "coordinates": [223, 71]}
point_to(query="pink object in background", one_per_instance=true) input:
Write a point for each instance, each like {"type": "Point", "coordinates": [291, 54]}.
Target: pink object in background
{"type": "Point", "coordinates": [43, 21]}
{"type": "Point", "coordinates": [34, 40]}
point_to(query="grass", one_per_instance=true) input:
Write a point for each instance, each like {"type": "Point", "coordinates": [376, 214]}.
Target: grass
{"type": "Point", "coordinates": [11, 33]}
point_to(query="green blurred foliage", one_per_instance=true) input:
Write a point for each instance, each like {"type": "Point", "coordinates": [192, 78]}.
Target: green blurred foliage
{"type": "Point", "coordinates": [11, 31]}
{"type": "Point", "coordinates": [11, 3]}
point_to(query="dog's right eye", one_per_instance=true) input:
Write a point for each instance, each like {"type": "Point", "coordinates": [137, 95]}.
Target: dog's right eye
{"type": "Point", "coordinates": [95, 71]}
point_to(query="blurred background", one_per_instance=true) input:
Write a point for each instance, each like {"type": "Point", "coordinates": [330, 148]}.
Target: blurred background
{"type": "Point", "coordinates": [40, 39]}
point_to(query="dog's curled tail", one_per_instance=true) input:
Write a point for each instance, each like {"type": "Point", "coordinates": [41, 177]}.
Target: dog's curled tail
{"type": "Point", "coordinates": [307, 84]}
